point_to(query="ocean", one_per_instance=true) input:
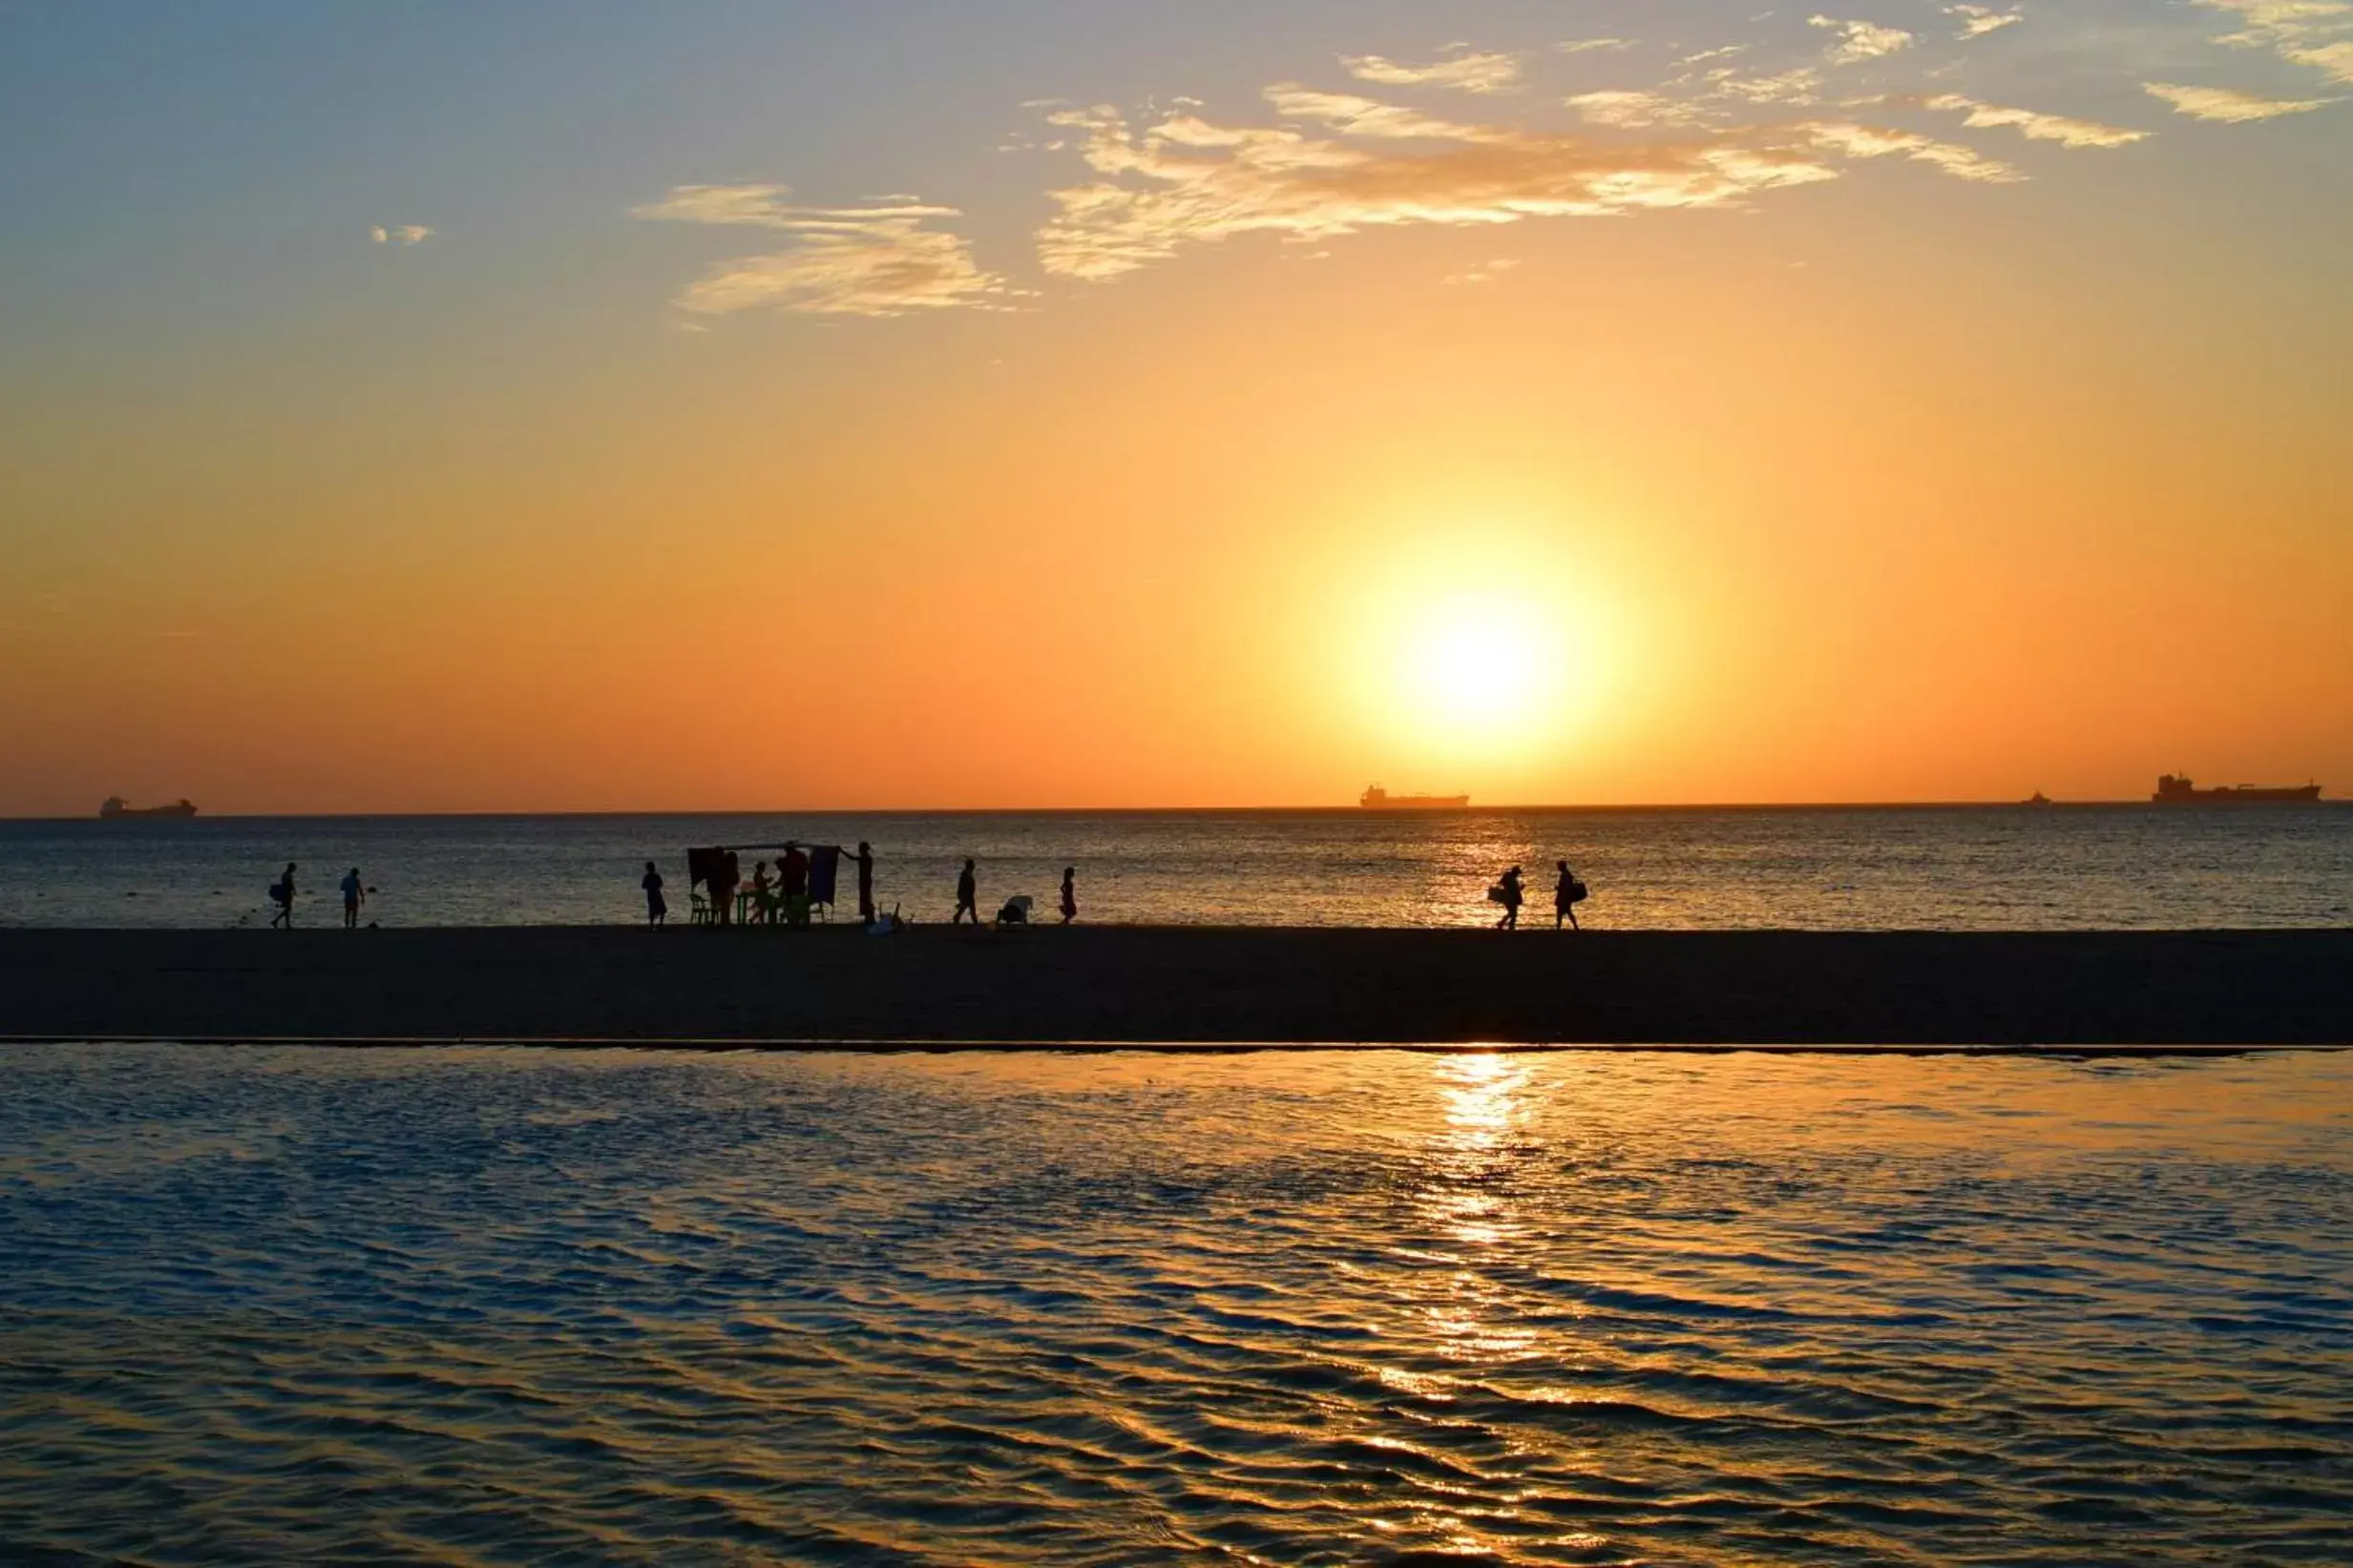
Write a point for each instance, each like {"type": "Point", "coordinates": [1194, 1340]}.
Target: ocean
{"type": "Point", "coordinates": [1821, 868]}
{"type": "Point", "coordinates": [295, 1304]}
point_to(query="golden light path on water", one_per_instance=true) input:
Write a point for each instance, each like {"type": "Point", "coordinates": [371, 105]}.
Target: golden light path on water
{"type": "Point", "coordinates": [477, 1307]}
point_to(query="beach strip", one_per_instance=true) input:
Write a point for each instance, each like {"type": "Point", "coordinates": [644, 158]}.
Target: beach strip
{"type": "Point", "coordinates": [1110, 984]}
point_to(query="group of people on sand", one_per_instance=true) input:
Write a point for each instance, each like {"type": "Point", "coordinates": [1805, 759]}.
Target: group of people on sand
{"type": "Point", "coordinates": [1511, 892]}
{"type": "Point", "coordinates": [785, 896]}
{"type": "Point", "coordinates": [355, 891]}
{"type": "Point", "coordinates": [1015, 910]}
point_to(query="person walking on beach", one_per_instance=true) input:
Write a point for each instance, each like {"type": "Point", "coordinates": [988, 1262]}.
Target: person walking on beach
{"type": "Point", "coordinates": [353, 897]}
{"type": "Point", "coordinates": [1070, 894]}
{"type": "Point", "coordinates": [282, 891]}
{"type": "Point", "coordinates": [1513, 895]}
{"type": "Point", "coordinates": [657, 908]}
{"type": "Point", "coordinates": [967, 896]}
{"type": "Point", "coordinates": [1564, 896]}
{"type": "Point", "coordinates": [865, 883]}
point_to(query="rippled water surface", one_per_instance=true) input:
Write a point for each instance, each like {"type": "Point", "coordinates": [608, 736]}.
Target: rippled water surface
{"type": "Point", "coordinates": [1964, 869]}
{"type": "Point", "coordinates": [497, 1306]}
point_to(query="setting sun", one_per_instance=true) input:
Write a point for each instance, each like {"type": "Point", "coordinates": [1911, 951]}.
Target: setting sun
{"type": "Point", "coordinates": [1480, 668]}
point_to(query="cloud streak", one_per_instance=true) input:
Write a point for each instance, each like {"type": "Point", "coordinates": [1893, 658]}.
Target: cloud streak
{"type": "Point", "coordinates": [1861, 41]}
{"type": "Point", "coordinates": [2221, 106]}
{"type": "Point", "coordinates": [1343, 164]}
{"type": "Point", "coordinates": [2038, 127]}
{"type": "Point", "coordinates": [1465, 71]}
{"type": "Point", "coordinates": [1183, 182]}
{"type": "Point", "coordinates": [1977, 21]}
{"type": "Point", "coordinates": [399, 234]}
{"type": "Point", "coordinates": [882, 259]}
{"type": "Point", "coordinates": [2305, 32]}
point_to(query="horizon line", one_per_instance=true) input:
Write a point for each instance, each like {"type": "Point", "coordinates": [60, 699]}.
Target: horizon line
{"type": "Point", "coordinates": [1408, 812]}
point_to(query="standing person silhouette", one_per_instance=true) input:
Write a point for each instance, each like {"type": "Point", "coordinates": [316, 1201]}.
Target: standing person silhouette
{"type": "Point", "coordinates": [1514, 896]}
{"type": "Point", "coordinates": [353, 897]}
{"type": "Point", "coordinates": [722, 881]}
{"type": "Point", "coordinates": [967, 895]}
{"type": "Point", "coordinates": [866, 884]}
{"type": "Point", "coordinates": [1564, 895]}
{"type": "Point", "coordinates": [657, 908]}
{"type": "Point", "coordinates": [282, 891]}
{"type": "Point", "coordinates": [1070, 894]}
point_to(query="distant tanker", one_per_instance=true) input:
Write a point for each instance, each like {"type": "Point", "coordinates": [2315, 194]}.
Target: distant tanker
{"type": "Point", "coordinates": [117, 809]}
{"type": "Point", "coordinates": [1377, 799]}
{"type": "Point", "coordinates": [2180, 791]}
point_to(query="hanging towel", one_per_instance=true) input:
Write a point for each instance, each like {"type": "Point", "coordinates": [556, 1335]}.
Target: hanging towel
{"type": "Point", "coordinates": [825, 865]}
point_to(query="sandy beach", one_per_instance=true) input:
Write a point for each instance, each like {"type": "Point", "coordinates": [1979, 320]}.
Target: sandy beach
{"type": "Point", "coordinates": [1184, 984]}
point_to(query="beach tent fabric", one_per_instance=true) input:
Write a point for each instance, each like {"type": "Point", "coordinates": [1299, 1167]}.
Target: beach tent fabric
{"type": "Point", "coordinates": [825, 864]}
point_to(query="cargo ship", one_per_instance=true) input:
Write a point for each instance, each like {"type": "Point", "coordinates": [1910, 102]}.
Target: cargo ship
{"type": "Point", "coordinates": [117, 809]}
{"type": "Point", "coordinates": [2179, 790]}
{"type": "Point", "coordinates": [1377, 799]}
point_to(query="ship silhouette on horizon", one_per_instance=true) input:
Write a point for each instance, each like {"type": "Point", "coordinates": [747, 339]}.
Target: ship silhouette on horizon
{"type": "Point", "coordinates": [1377, 799]}
{"type": "Point", "coordinates": [2176, 789]}
{"type": "Point", "coordinates": [117, 809]}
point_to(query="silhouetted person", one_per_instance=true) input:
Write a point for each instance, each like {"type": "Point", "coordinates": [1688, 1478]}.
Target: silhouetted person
{"type": "Point", "coordinates": [1564, 895]}
{"type": "Point", "coordinates": [723, 891]}
{"type": "Point", "coordinates": [967, 892]}
{"type": "Point", "coordinates": [792, 883]}
{"type": "Point", "coordinates": [866, 884]}
{"type": "Point", "coordinates": [1070, 894]}
{"type": "Point", "coordinates": [657, 908]}
{"type": "Point", "coordinates": [353, 897]}
{"type": "Point", "coordinates": [763, 906]}
{"type": "Point", "coordinates": [282, 891]}
{"type": "Point", "coordinates": [1513, 896]}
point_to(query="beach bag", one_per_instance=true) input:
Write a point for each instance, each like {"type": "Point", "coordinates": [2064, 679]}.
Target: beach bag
{"type": "Point", "coordinates": [1576, 893]}
{"type": "Point", "coordinates": [278, 894]}
{"type": "Point", "coordinates": [1497, 895]}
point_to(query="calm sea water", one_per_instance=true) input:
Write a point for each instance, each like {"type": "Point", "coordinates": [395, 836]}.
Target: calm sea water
{"type": "Point", "coordinates": [1964, 869]}
{"type": "Point", "coordinates": [497, 1306]}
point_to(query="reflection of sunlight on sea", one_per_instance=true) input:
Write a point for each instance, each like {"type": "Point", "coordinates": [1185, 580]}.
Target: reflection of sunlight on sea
{"type": "Point", "coordinates": [1292, 1307]}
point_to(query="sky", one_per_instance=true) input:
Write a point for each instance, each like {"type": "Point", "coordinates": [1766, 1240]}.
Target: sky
{"type": "Point", "coordinates": [1061, 403]}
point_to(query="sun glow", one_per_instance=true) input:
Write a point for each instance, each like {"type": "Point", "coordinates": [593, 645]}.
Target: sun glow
{"type": "Point", "coordinates": [1479, 668]}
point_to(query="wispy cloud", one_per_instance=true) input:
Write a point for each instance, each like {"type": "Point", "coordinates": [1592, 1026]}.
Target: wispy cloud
{"type": "Point", "coordinates": [1589, 46]}
{"type": "Point", "coordinates": [400, 233]}
{"type": "Point", "coordinates": [1484, 272]}
{"type": "Point", "coordinates": [1356, 165]}
{"type": "Point", "coordinates": [1631, 109]}
{"type": "Point", "coordinates": [2270, 22]}
{"type": "Point", "coordinates": [1861, 41]}
{"type": "Point", "coordinates": [2037, 125]}
{"type": "Point", "coordinates": [1184, 181]}
{"type": "Point", "coordinates": [2224, 106]}
{"type": "Point", "coordinates": [1875, 141]}
{"type": "Point", "coordinates": [880, 258]}
{"type": "Point", "coordinates": [1800, 86]}
{"type": "Point", "coordinates": [1976, 21]}
{"type": "Point", "coordinates": [2336, 59]}
{"type": "Point", "coordinates": [1463, 70]}
{"type": "Point", "coordinates": [1346, 111]}
{"type": "Point", "coordinates": [2305, 32]}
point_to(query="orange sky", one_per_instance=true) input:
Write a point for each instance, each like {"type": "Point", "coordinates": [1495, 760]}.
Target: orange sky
{"type": "Point", "coordinates": [1892, 487]}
